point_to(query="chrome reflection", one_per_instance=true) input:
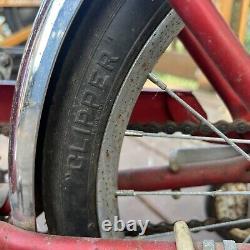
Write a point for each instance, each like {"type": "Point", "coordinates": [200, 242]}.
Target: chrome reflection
{"type": "Point", "coordinates": [52, 23]}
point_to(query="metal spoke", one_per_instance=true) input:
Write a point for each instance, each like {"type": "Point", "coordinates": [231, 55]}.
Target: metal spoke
{"type": "Point", "coordinates": [135, 133]}
{"type": "Point", "coordinates": [228, 224]}
{"type": "Point", "coordinates": [181, 193]}
{"type": "Point", "coordinates": [164, 87]}
{"type": "Point", "coordinates": [247, 239]}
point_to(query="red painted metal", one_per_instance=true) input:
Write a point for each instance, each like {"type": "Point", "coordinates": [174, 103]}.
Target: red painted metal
{"type": "Point", "coordinates": [160, 178]}
{"type": "Point", "coordinates": [12, 238]}
{"type": "Point", "coordinates": [219, 42]}
{"type": "Point", "coordinates": [5, 209]}
{"type": "Point", "coordinates": [222, 87]}
{"type": "Point", "coordinates": [154, 106]}
{"type": "Point", "coordinates": [6, 95]}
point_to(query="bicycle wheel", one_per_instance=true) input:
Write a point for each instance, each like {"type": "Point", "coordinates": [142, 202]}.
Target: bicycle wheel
{"type": "Point", "coordinates": [103, 67]}
{"type": "Point", "coordinates": [109, 36]}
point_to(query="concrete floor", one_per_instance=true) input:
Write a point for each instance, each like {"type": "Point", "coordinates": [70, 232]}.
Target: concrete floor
{"type": "Point", "coordinates": [145, 152]}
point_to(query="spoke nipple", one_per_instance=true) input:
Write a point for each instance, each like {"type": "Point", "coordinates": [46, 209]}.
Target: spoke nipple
{"type": "Point", "coordinates": [176, 196]}
{"type": "Point", "coordinates": [174, 167]}
{"type": "Point", "coordinates": [125, 193]}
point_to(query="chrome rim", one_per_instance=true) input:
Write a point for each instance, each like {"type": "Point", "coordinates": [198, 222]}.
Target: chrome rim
{"type": "Point", "coordinates": [107, 205]}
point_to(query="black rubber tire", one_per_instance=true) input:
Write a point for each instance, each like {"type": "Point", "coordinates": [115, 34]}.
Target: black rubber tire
{"type": "Point", "coordinates": [103, 44]}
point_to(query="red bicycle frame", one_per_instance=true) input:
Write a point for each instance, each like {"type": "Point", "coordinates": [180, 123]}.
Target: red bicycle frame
{"type": "Point", "coordinates": [226, 64]}
{"type": "Point", "coordinates": [223, 49]}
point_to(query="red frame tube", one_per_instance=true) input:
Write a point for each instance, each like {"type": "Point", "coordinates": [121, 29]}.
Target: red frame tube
{"type": "Point", "coordinates": [160, 178]}
{"type": "Point", "coordinates": [156, 107]}
{"type": "Point", "coordinates": [220, 44]}
{"type": "Point", "coordinates": [6, 96]}
{"type": "Point", "coordinates": [5, 209]}
{"type": "Point", "coordinates": [12, 238]}
{"type": "Point", "coordinates": [223, 88]}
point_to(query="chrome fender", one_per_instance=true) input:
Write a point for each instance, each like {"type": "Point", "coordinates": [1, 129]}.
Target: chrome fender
{"type": "Point", "coordinates": [50, 28]}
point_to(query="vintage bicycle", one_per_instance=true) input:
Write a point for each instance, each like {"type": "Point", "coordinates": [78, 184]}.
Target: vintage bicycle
{"type": "Point", "coordinates": [80, 92]}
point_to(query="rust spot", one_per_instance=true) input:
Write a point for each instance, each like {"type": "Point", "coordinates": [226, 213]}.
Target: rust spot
{"type": "Point", "coordinates": [107, 154]}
